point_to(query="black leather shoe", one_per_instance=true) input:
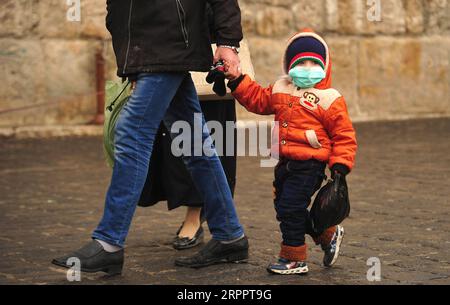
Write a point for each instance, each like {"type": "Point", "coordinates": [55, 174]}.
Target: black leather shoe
{"type": "Point", "coordinates": [182, 243]}
{"type": "Point", "coordinates": [94, 258]}
{"type": "Point", "coordinates": [216, 252]}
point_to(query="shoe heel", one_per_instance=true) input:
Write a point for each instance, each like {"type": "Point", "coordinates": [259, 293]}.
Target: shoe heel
{"type": "Point", "coordinates": [114, 269]}
{"type": "Point", "coordinates": [238, 257]}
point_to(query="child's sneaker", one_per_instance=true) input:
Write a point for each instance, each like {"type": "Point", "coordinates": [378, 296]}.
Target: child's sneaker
{"type": "Point", "coordinates": [284, 266]}
{"type": "Point", "coordinates": [333, 248]}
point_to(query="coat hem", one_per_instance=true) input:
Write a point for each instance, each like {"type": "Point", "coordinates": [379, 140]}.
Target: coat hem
{"type": "Point", "coordinates": [162, 68]}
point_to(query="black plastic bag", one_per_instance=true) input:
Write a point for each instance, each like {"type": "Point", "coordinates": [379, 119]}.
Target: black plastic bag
{"type": "Point", "coordinates": [331, 205]}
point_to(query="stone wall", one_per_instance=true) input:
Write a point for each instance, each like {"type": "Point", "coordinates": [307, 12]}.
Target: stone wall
{"type": "Point", "coordinates": [48, 63]}
{"type": "Point", "coordinates": [397, 67]}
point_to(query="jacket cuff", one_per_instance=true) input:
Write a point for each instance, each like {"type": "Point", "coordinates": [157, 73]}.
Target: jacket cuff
{"type": "Point", "coordinates": [233, 84]}
{"type": "Point", "coordinates": [233, 43]}
{"type": "Point", "coordinates": [341, 168]}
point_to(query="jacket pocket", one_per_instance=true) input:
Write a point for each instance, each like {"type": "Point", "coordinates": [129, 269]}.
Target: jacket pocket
{"type": "Point", "coordinates": [312, 139]}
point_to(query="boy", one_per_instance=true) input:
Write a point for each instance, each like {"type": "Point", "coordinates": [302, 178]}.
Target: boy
{"type": "Point", "coordinates": [314, 129]}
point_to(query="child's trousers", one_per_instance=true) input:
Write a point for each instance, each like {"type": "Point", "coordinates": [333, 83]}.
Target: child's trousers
{"type": "Point", "coordinates": [295, 183]}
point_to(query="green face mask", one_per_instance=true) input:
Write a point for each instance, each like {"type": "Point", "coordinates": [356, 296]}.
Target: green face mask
{"type": "Point", "coordinates": [306, 77]}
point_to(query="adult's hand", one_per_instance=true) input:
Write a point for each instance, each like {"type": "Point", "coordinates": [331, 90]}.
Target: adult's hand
{"type": "Point", "coordinates": [231, 61]}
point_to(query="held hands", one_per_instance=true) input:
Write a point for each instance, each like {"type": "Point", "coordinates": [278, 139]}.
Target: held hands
{"type": "Point", "coordinates": [216, 75]}
{"type": "Point", "coordinates": [231, 62]}
{"type": "Point", "coordinates": [226, 66]}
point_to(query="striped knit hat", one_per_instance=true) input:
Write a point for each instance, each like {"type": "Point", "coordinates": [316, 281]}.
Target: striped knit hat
{"type": "Point", "coordinates": [306, 48]}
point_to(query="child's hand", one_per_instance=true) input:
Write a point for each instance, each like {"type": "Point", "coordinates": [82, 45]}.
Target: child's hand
{"type": "Point", "coordinates": [232, 72]}
{"type": "Point", "coordinates": [340, 169]}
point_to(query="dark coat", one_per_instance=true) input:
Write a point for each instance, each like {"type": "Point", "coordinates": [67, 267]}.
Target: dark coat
{"type": "Point", "coordinates": [169, 180]}
{"type": "Point", "coordinates": [169, 35]}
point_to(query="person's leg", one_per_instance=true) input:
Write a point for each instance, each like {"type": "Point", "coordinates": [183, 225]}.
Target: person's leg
{"type": "Point", "coordinates": [291, 208]}
{"type": "Point", "coordinates": [134, 136]}
{"type": "Point", "coordinates": [206, 171]}
{"type": "Point", "coordinates": [329, 240]}
{"type": "Point", "coordinates": [191, 232]}
{"type": "Point", "coordinates": [219, 112]}
{"type": "Point", "coordinates": [322, 238]}
{"type": "Point", "coordinates": [312, 179]}
{"type": "Point", "coordinates": [228, 243]}
{"type": "Point", "coordinates": [191, 222]}
{"type": "Point", "coordinates": [293, 191]}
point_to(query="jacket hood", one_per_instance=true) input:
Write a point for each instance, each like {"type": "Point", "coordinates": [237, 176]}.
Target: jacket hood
{"type": "Point", "coordinates": [326, 82]}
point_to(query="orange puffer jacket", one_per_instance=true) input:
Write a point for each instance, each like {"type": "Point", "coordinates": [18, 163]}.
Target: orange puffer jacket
{"type": "Point", "coordinates": [313, 123]}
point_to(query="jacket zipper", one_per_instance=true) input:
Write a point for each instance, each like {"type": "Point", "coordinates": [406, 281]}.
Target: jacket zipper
{"type": "Point", "coordinates": [182, 18]}
{"type": "Point", "coordinates": [129, 37]}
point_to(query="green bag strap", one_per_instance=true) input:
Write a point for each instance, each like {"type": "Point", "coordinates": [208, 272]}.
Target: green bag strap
{"type": "Point", "coordinates": [110, 107]}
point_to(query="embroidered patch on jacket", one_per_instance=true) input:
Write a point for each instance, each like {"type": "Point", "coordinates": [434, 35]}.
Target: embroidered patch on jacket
{"type": "Point", "coordinates": [309, 100]}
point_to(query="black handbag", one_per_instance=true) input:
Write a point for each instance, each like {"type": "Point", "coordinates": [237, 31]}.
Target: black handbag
{"type": "Point", "coordinates": [331, 205]}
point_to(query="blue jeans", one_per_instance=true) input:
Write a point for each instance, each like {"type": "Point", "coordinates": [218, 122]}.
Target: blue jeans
{"type": "Point", "coordinates": [167, 97]}
{"type": "Point", "coordinates": [295, 183]}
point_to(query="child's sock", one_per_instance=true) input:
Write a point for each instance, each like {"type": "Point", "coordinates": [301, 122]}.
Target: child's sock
{"type": "Point", "coordinates": [295, 254]}
{"type": "Point", "coordinates": [326, 237]}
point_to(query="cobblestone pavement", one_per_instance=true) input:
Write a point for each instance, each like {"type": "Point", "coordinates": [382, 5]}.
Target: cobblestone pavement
{"type": "Point", "coordinates": [51, 197]}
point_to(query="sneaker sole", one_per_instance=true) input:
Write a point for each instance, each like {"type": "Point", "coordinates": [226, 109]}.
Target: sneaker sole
{"type": "Point", "coordinates": [237, 258]}
{"type": "Point", "coordinates": [338, 247]}
{"type": "Point", "coordinates": [301, 271]}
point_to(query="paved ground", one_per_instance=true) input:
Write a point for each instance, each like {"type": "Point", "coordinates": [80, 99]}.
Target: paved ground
{"type": "Point", "coordinates": [51, 197]}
